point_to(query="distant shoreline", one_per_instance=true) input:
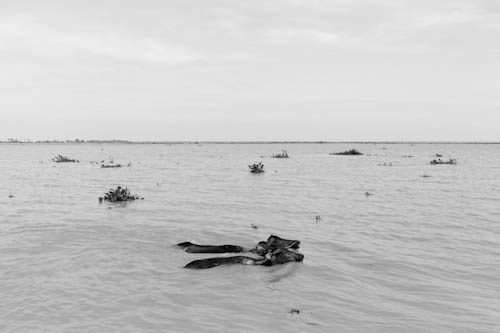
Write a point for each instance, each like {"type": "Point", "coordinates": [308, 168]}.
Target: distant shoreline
{"type": "Point", "coordinates": [239, 142]}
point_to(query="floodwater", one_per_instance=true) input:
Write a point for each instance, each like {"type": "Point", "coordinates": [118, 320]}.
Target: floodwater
{"type": "Point", "coordinates": [418, 254]}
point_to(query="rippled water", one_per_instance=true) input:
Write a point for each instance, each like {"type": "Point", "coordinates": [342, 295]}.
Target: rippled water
{"type": "Point", "coordinates": [420, 254]}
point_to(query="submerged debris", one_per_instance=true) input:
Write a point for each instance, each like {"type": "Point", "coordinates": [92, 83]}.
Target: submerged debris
{"type": "Point", "coordinates": [61, 159]}
{"type": "Point", "coordinates": [256, 167]}
{"type": "Point", "coordinates": [283, 154]}
{"type": "Point", "coordinates": [439, 161]}
{"type": "Point", "coordinates": [120, 194]}
{"type": "Point", "coordinates": [348, 152]}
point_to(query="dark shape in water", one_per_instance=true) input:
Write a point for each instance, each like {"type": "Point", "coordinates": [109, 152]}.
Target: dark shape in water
{"type": "Point", "coordinates": [275, 257]}
{"type": "Point", "coordinates": [272, 242]}
{"type": "Point", "coordinates": [294, 311]}
{"type": "Point", "coordinates": [119, 195]}
{"type": "Point", "coordinates": [195, 248]}
{"type": "Point", "coordinates": [63, 159]}
{"type": "Point", "coordinates": [283, 154]}
{"type": "Point", "coordinates": [111, 166]}
{"type": "Point", "coordinates": [256, 167]}
{"type": "Point", "coordinates": [352, 152]}
{"type": "Point", "coordinates": [439, 161]}
{"type": "Point", "coordinates": [274, 251]}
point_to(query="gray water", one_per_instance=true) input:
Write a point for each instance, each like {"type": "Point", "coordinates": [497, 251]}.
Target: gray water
{"type": "Point", "coordinates": [419, 254]}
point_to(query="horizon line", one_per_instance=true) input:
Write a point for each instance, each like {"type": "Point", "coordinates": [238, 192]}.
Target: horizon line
{"type": "Point", "coordinates": [121, 141]}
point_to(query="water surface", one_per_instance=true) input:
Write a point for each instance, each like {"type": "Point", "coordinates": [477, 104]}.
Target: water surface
{"type": "Point", "coordinates": [419, 254]}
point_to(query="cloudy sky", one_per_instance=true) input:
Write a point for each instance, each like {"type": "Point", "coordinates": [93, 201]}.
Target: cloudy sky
{"type": "Point", "coordinates": [250, 70]}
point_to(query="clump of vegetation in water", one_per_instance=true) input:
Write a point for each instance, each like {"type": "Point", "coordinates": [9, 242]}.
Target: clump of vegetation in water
{"type": "Point", "coordinates": [439, 161]}
{"type": "Point", "coordinates": [256, 167]}
{"type": "Point", "coordinates": [118, 195]}
{"type": "Point", "coordinates": [348, 152]}
{"type": "Point", "coordinates": [111, 164]}
{"type": "Point", "coordinates": [283, 154]}
{"type": "Point", "coordinates": [62, 159]}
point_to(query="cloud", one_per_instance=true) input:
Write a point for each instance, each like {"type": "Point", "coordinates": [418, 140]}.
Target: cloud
{"type": "Point", "coordinates": [104, 41]}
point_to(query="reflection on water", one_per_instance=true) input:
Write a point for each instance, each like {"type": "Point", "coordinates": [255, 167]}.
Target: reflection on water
{"type": "Point", "coordinates": [419, 253]}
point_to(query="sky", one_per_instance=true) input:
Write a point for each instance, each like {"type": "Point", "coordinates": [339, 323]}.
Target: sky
{"type": "Point", "coordinates": [239, 70]}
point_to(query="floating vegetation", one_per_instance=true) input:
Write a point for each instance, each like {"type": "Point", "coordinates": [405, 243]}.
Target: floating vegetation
{"type": "Point", "coordinates": [256, 167]}
{"type": "Point", "coordinates": [283, 154]}
{"type": "Point", "coordinates": [118, 195]}
{"type": "Point", "coordinates": [112, 165]}
{"type": "Point", "coordinates": [63, 159]}
{"type": "Point", "coordinates": [348, 152]}
{"type": "Point", "coordinates": [439, 161]}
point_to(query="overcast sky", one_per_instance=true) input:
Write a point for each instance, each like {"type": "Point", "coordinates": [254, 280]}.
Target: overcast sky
{"type": "Point", "coordinates": [250, 70]}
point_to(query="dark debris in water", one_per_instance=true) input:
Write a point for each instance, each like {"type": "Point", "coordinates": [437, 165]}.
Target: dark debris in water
{"type": "Point", "coordinates": [348, 152]}
{"type": "Point", "coordinates": [63, 159]}
{"type": "Point", "coordinates": [120, 194]}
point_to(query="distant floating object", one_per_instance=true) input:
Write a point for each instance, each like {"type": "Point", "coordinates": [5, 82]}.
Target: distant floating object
{"type": "Point", "coordinates": [63, 159]}
{"type": "Point", "coordinates": [118, 195]}
{"type": "Point", "coordinates": [283, 154]}
{"type": "Point", "coordinates": [254, 226]}
{"type": "Point", "coordinates": [438, 155]}
{"type": "Point", "coordinates": [425, 176]}
{"type": "Point", "coordinates": [439, 161]}
{"type": "Point", "coordinates": [318, 218]}
{"type": "Point", "coordinates": [368, 194]}
{"type": "Point", "coordinates": [11, 195]}
{"type": "Point", "coordinates": [294, 311]}
{"type": "Point", "coordinates": [353, 152]}
{"type": "Point", "coordinates": [256, 167]}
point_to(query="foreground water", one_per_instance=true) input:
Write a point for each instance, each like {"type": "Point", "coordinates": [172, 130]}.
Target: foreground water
{"type": "Point", "coordinates": [420, 254]}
